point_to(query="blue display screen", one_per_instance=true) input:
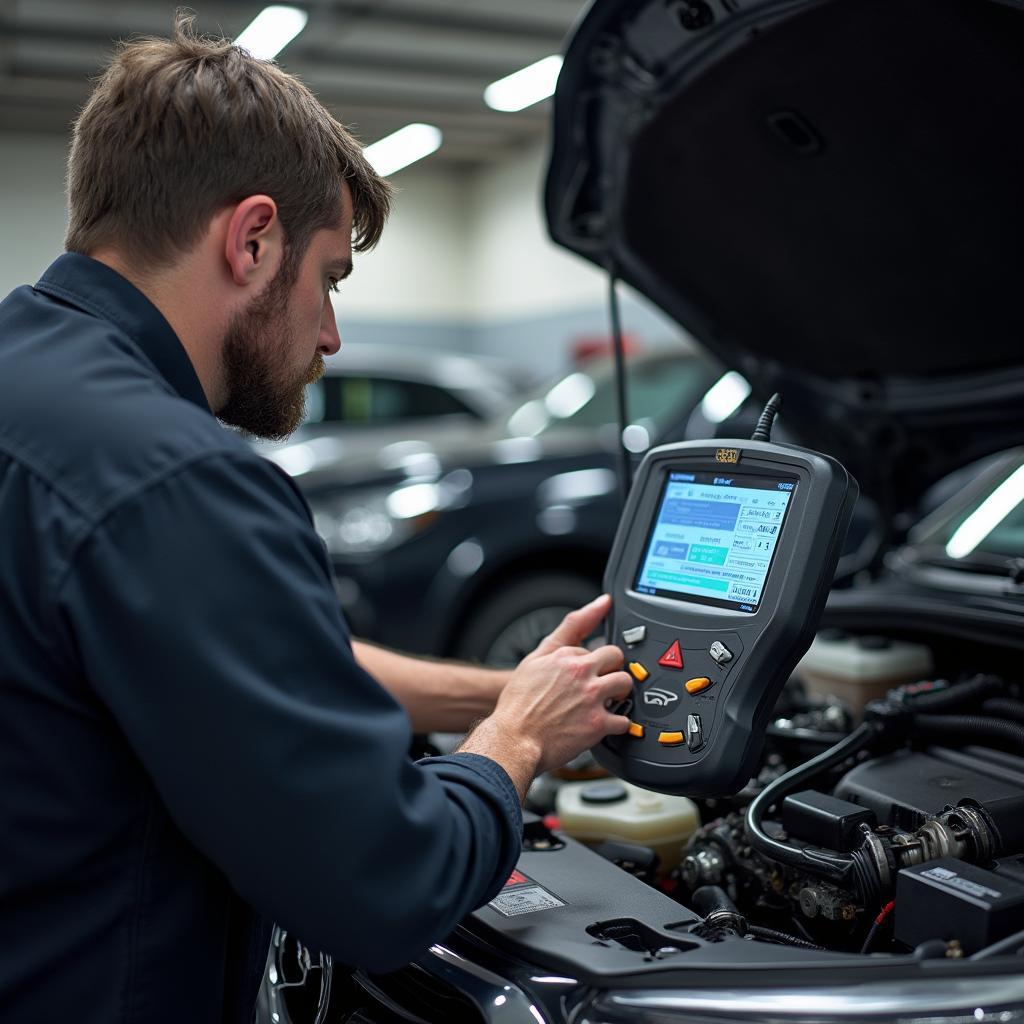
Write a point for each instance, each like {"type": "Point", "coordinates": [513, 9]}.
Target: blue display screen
{"type": "Point", "coordinates": [714, 538]}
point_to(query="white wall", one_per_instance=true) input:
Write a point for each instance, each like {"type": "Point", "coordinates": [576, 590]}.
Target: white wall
{"type": "Point", "coordinates": [515, 267]}
{"type": "Point", "coordinates": [33, 214]}
{"type": "Point", "coordinates": [418, 270]}
{"type": "Point", "coordinates": [465, 262]}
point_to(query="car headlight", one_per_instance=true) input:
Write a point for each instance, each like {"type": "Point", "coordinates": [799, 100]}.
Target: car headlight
{"type": "Point", "coordinates": [378, 520]}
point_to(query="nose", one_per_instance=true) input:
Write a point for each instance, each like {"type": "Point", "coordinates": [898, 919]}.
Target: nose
{"type": "Point", "coordinates": [330, 340]}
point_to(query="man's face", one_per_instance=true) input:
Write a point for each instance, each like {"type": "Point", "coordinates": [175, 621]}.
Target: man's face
{"type": "Point", "coordinates": [275, 347]}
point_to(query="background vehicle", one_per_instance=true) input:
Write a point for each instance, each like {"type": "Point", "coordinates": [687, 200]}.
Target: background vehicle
{"type": "Point", "coordinates": [397, 390]}
{"type": "Point", "coordinates": [477, 542]}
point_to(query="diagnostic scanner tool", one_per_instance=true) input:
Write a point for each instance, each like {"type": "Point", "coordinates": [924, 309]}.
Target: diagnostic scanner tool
{"type": "Point", "coordinates": [719, 573]}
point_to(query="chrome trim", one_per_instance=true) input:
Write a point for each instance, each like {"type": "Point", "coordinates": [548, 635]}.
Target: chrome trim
{"type": "Point", "coordinates": [498, 1000]}
{"type": "Point", "coordinates": [937, 1000]}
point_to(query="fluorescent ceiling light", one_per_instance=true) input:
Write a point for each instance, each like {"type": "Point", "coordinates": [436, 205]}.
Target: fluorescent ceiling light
{"type": "Point", "coordinates": [524, 88]}
{"type": "Point", "coordinates": [404, 147]}
{"type": "Point", "coordinates": [987, 516]}
{"type": "Point", "coordinates": [272, 30]}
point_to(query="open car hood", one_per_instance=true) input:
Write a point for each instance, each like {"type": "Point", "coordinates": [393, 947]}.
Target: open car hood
{"type": "Point", "coordinates": [829, 195]}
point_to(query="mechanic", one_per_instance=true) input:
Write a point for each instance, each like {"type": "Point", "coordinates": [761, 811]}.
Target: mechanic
{"type": "Point", "coordinates": [190, 746]}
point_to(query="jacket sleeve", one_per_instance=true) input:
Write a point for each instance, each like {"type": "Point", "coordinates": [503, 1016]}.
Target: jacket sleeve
{"type": "Point", "coordinates": [202, 613]}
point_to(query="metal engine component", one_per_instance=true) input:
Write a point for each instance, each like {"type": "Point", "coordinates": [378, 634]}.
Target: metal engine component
{"type": "Point", "coordinates": [826, 901]}
{"type": "Point", "coordinates": [703, 867]}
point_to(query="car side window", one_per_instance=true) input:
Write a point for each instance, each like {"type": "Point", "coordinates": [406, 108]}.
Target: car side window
{"type": "Point", "coordinates": [365, 400]}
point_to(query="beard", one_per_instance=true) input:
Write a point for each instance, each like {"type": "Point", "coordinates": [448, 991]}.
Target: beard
{"type": "Point", "coordinates": [266, 397]}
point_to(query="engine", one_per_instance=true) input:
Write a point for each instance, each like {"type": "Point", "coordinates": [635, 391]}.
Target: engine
{"type": "Point", "coordinates": [903, 831]}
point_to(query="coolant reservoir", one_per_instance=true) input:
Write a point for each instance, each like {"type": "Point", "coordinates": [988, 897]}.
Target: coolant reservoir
{"type": "Point", "coordinates": [859, 669]}
{"type": "Point", "coordinates": [594, 812]}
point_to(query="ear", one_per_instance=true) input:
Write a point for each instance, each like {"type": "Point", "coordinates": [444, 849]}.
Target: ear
{"type": "Point", "coordinates": [253, 243]}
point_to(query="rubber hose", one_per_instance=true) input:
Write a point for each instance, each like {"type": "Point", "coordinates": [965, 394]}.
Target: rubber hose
{"type": "Point", "coordinates": [713, 899]}
{"type": "Point", "coordinates": [1004, 707]}
{"type": "Point", "coordinates": [836, 867]}
{"type": "Point", "coordinates": [771, 935]}
{"type": "Point", "coordinates": [991, 732]}
{"type": "Point", "coordinates": [953, 697]}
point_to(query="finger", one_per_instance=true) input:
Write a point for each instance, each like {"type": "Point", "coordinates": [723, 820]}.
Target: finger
{"type": "Point", "coordinates": [606, 659]}
{"type": "Point", "coordinates": [616, 686]}
{"type": "Point", "coordinates": [617, 725]}
{"type": "Point", "coordinates": [579, 624]}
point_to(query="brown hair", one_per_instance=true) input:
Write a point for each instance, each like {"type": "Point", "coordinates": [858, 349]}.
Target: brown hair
{"type": "Point", "coordinates": [178, 129]}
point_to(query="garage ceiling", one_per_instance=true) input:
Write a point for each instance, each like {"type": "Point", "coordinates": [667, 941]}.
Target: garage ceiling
{"type": "Point", "coordinates": [378, 64]}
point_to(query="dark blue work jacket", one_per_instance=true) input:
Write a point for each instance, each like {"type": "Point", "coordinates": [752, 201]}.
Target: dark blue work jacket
{"type": "Point", "coordinates": [188, 749]}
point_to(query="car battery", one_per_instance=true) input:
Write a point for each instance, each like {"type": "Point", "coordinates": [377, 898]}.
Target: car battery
{"type": "Point", "coordinates": [953, 900]}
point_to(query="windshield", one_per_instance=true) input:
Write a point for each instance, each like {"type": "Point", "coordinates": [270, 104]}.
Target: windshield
{"type": "Point", "coordinates": [985, 524]}
{"type": "Point", "coordinates": [659, 390]}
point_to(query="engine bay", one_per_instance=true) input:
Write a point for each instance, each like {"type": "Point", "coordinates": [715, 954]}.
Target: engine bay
{"type": "Point", "coordinates": [892, 828]}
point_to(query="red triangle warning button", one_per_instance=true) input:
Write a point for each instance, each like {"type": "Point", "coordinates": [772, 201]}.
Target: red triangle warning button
{"type": "Point", "coordinates": [673, 657]}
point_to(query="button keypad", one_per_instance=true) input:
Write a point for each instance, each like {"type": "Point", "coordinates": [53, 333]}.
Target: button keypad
{"type": "Point", "coordinates": [677, 712]}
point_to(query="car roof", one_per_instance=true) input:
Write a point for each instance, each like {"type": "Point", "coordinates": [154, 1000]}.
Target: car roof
{"type": "Point", "coordinates": [455, 371]}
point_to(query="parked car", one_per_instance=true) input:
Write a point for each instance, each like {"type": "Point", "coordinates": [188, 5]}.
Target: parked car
{"type": "Point", "coordinates": [827, 194]}
{"type": "Point", "coordinates": [476, 542]}
{"type": "Point", "coordinates": [368, 386]}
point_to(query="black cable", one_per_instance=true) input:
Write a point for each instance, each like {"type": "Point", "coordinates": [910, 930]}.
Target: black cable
{"type": "Point", "coordinates": [957, 696]}
{"type": "Point", "coordinates": [963, 729]}
{"type": "Point", "coordinates": [876, 926]}
{"type": "Point", "coordinates": [836, 867]}
{"type": "Point", "coordinates": [625, 462]}
{"type": "Point", "coordinates": [763, 430]}
{"type": "Point", "coordinates": [1004, 707]}
{"type": "Point", "coordinates": [780, 938]}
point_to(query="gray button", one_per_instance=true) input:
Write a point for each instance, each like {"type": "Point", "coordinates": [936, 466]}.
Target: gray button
{"type": "Point", "coordinates": [635, 635]}
{"type": "Point", "coordinates": [720, 653]}
{"type": "Point", "coordinates": [694, 732]}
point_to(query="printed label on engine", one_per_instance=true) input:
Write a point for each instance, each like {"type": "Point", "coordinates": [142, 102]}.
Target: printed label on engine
{"type": "Point", "coordinates": [522, 895]}
{"type": "Point", "coordinates": [955, 881]}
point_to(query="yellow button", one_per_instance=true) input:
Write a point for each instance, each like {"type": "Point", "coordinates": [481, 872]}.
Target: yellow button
{"type": "Point", "coordinates": [637, 730]}
{"type": "Point", "coordinates": [670, 739]}
{"type": "Point", "coordinates": [698, 684]}
{"type": "Point", "coordinates": [639, 672]}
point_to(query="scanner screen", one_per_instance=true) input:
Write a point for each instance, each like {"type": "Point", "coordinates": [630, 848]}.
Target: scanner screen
{"type": "Point", "coordinates": [714, 537]}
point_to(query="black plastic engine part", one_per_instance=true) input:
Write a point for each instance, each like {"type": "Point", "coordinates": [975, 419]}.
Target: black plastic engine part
{"type": "Point", "coordinates": [952, 900]}
{"type": "Point", "coordinates": [849, 871]}
{"type": "Point", "coordinates": [905, 788]}
{"type": "Point", "coordinates": [824, 820]}
{"type": "Point", "coordinates": [640, 861]}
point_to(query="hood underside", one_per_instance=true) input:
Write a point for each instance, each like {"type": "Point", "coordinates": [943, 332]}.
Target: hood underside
{"type": "Point", "coordinates": [825, 193]}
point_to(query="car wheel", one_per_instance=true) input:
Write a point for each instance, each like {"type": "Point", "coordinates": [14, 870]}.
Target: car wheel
{"type": "Point", "coordinates": [514, 619]}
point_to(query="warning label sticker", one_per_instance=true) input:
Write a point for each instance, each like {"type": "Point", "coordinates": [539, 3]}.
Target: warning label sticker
{"type": "Point", "coordinates": [525, 900]}
{"type": "Point", "coordinates": [522, 895]}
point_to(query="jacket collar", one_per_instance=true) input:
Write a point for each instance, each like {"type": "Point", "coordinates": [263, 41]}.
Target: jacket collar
{"type": "Point", "coordinates": [93, 287]}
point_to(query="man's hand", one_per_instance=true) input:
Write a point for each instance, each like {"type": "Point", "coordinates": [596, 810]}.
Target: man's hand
{"type": "Point", "coordinates": [555, 706]}
{"type": "Point", "coordinates": [574, 629]}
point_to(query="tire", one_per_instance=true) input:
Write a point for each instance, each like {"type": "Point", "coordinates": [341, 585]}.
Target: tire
{"type": "Point", "coordinates": [512, 620]}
